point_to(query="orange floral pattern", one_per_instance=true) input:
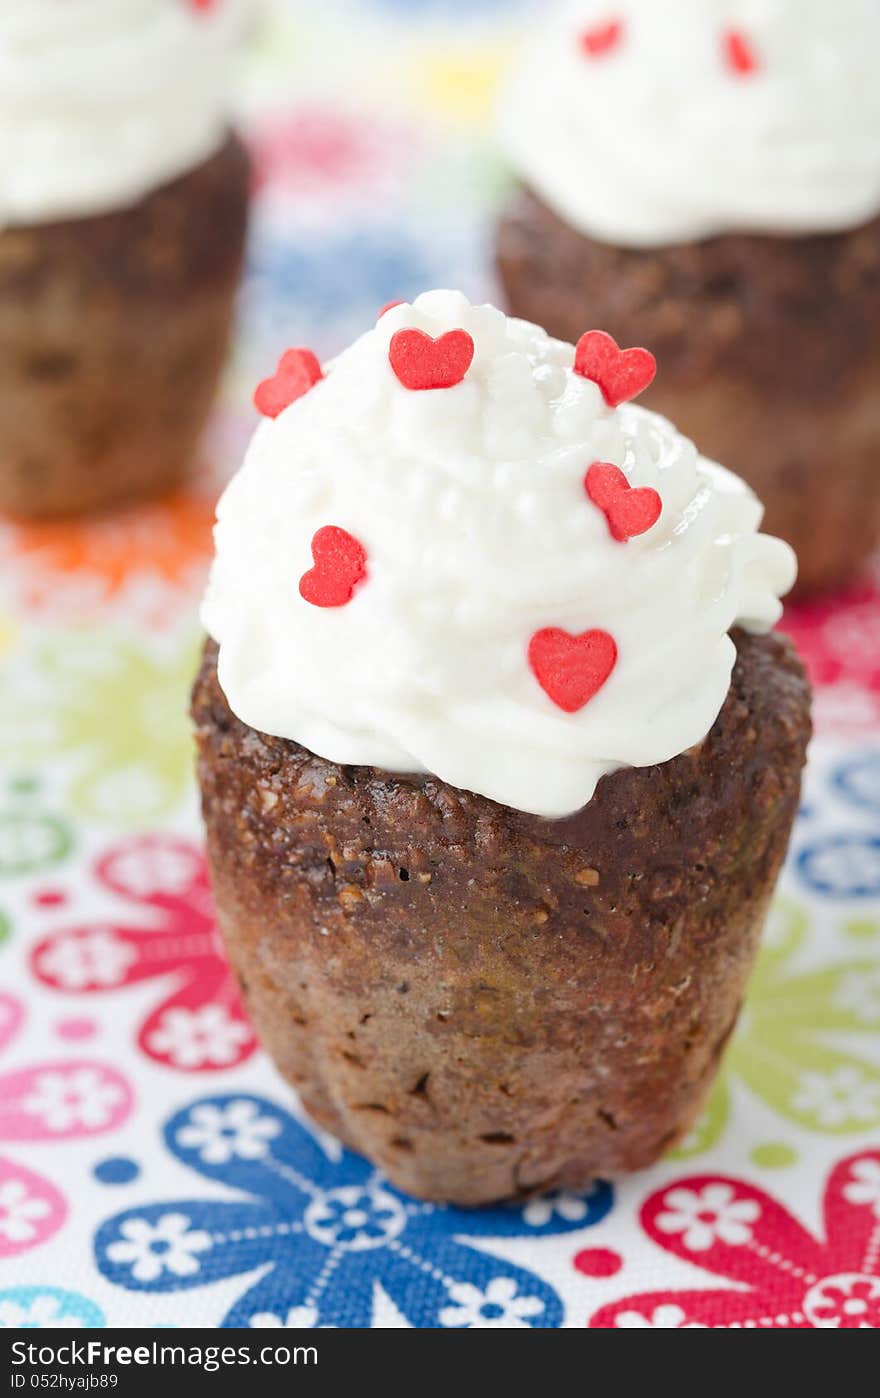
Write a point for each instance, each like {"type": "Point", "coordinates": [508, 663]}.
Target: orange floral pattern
{"type": "Point", "coordinates": [68, 563]}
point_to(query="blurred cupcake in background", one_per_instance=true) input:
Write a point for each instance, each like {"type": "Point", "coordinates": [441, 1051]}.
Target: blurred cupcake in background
{"type": "Point", "coordinates": [123, 206]}
{"type": "Point", "coordinates": [704, 176]}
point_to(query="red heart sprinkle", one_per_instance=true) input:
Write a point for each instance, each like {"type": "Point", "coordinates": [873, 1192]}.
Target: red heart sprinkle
{"type": "Point", "coordinates": [739, 54]}
{"type": "Point", "coordinates": [572, 669]}
{"type": "Point", "coordinates": [422, 363]}
{"type": "Point", "coordinates": [298, 371]}
{"type": "Point", "coordinates": [629, 511]}
{"type": "Point", "coordinates": [621, 374]}
{"type": "Point", "coordinates": [602, 39]}
{"type": "Point", "coordinates": [389, 306]}
{"type": "Point", "coordinates": [340, 564]}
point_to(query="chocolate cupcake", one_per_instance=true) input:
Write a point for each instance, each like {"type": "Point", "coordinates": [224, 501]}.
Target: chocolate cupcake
{"type": "Point", "coordinates": [498, 757]}
{"type": "Point", "coordinates": [713, 190]}
{"type": "Point", "coordinates": [123, 205]}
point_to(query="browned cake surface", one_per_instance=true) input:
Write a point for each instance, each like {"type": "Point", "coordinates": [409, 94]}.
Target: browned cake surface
{"type": "Point", "coordinates": [769, 353]}
{"type": "Point", "coordinates": [486, 1003]}
{"type": "Point", "coordinates": [113, 331]}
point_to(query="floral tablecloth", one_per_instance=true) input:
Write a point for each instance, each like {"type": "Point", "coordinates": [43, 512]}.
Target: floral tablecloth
{"type": "Point", "coordinates": [154, 1170]}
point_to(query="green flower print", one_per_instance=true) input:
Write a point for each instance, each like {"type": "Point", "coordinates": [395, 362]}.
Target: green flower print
{"type": "Point", "coordinates": [117, 712]}
{"type": "Point", "coordinates": [784, 1052]}
{"type": "Point", "coordinates": [31, 839]}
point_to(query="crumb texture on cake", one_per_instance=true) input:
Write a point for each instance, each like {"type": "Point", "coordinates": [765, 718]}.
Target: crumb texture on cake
{"type": "Point", "coordinates": [485, 1003]}
{"type": "Point", "coordinates": [113, 334]}
{"type": "Point", "coordinates": [769, 359]}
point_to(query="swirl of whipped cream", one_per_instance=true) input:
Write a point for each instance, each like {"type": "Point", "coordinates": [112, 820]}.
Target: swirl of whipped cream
{"type": "Point", "coordinates": [657, 135]}
{"type": "Point", "coordinates": [102, 101]}
{"type": "Point", "coordinates": [471, 506]}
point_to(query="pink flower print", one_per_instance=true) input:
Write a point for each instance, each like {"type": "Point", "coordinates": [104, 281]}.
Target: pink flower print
{"type": "Point", "coordinates": [785, 1278]}
{"type": "Point", "coordinates": [54, 1101]}
{"type": "Point", "coordinates": [31, 1209]}
{"type": "Point", "coordinates": [62, 1101]}
{"type": "Point", "coordinates": [323, 152]}
{"type": "Point", "coordinates": [166, 932]}
{"type": "Point", "coordinates": [11, 1016]}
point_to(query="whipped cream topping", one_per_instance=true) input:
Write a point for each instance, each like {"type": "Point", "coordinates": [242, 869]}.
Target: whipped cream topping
{"type": "Point", "coordinates": [643, 123]}
{"type": "Point", "coordinates": [470, 506]}
{"type": "Point", "coordinates": [102, 101]}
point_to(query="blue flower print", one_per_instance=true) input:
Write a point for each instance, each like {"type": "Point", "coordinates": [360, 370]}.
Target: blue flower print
{"type": "Point", "coordinates": [331, 1238]}
{"type": "Point", "coordinates": [842, 866]}
{"type": "Point", "coordinates": [325, 290]}
{"type": "Point", "coordinates": [355, 1218]}
{"type": "Point", "coordinates": [857, 781]}
{"type": "Point", "coordinates": [47, 1307]}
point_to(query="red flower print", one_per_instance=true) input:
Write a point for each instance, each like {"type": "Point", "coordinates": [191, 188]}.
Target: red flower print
{"type": "Point", "coordinates": [839, 639]}
{"type": "Point", "coordinates": [787, 1279]}
{"type": "Point", "coordinates": [200, 1025]}
{"type": "Point", "coordinates": [840, 636]}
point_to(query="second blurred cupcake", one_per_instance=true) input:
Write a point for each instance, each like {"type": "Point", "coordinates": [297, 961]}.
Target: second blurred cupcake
{"type": "Point", "coordinates": [123, 205]}
{"type": "Point", "coordinates": [704, 176]}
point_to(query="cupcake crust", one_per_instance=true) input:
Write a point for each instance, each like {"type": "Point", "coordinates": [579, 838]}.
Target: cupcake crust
{"type": "Point", "coordinates": [769, 356]}
{"type": "Point", "coordinates": [485, 1003]}
{"type": "Point", "coordinates": [113, 332]}
{"type": "Point", "coordinates": [736, 305]}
